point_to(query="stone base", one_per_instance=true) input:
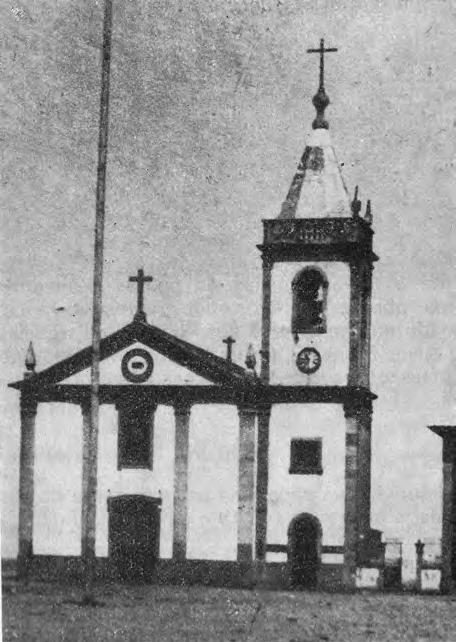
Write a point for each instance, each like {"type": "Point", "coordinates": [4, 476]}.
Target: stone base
{"type": "Point", "coordinates": [231, 574]}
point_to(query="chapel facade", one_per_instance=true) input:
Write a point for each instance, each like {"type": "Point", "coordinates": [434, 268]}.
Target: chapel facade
{"type": "Point", "coordinates": [291, 442]}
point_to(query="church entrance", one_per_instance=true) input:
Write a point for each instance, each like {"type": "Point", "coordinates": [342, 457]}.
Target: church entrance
{"type": "Point", "coordinates": [134, 536]}
{"type": "Point", "coordinates": [304, 545]}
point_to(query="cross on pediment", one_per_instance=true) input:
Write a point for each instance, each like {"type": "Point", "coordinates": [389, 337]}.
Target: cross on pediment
{"type": "Point", "coordinates": [140, 279]}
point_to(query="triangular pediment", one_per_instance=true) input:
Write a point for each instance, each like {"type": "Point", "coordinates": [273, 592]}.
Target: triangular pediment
{"type": "Point", "coordinates": [138, 359]}
{"type": "Point", "coordinates": [170, 360]}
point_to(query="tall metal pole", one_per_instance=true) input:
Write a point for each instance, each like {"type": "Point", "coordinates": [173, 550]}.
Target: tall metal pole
{"type": "Point", "coordinates": [88, 552]}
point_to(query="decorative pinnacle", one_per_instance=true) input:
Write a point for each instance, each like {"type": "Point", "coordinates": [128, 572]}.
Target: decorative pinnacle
{"type": "Point", "coordinates": [368, 216]}
{"type": "Point", "coordinates": [30, 359]}
{"type": "Point", "coordinates": [320, 100]}
{"type": "Point", "coordinates": [356, 204]}
{"type": "Point", "coordinates": [250, 358]}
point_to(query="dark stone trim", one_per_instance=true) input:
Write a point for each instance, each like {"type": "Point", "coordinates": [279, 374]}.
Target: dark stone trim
{"type": "Point", "coordinates": [266, 318]}
{"type": "Point", "coordinates": [360, 322]}
{"type": "Point", "coordinates": [182, 409]}
{"type": "Point", "coordinates": [359, 408]}
{"type": "Point", "coordinates": [262, 484]}
{"type": "Point", "coordinates": [344, 252]}
{"type": "Point", "coordinates": [244, 553]}
{"type": "Point", "coordinates": [272, 575]}
{"type": "Point", "coordinates": [283, 548]}
{"type": "Point", "coordinates": [257, 394]}
{"type": "Point", "coordinates": [337, 550]}
{"type": "Point", "coordinates": [182, 412]}
{"type": "Point", "coordinates": [179, 551]}
{"type": "Point", "coordinates": [28, 403]}
{"type": "Point", "coordinates": [351, 440]}
{"type": "Point", "coordinates": [317, 231]}
{"type": "Point", "coordinates": [276, 548]}
{"type": "Point", "coordinates": [28, 408]}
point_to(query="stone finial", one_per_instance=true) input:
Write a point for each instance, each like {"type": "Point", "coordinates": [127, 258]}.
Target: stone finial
{"type": "Point", "coordinates": [368, 216]}
{"type": "Point", "coordinates": [250, 359]}
{"type": "Point", "coordinates": [356, 204]}
{"type": "Point", "coordinates": [30, 360]}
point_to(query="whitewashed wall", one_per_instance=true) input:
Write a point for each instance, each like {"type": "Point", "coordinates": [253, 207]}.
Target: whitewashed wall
{"type": "Point", "coordinates": [333, 346]}
{"type": "Point", "coordinates": [213, 482]}
{"type": "Point", "coordinates": [213, 486]}
{"type": "Point", "coordinates": [321, 495]}
{"type": "Point", "coordinates": [58, 466]}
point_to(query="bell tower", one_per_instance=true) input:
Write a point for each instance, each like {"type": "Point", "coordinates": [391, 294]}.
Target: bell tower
{"type": "Point", "coordinates": [316, 317]}
{"type": "Point", "coordinates": [317, 272]}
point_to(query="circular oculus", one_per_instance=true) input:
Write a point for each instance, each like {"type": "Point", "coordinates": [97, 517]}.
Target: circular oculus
{"type": "Point", "coordinates": [308, 360]}
{"type": "Point", "coordinates": [137, 365]}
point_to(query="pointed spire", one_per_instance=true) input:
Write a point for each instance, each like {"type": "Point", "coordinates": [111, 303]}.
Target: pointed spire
{"type": "Point", "coordinates": [30, 360]}
{"type": "Point", "coordinates": [356, 204]}
{"type": "Point", "coordinates": [320, 100]}
{"type": "Point", "coordinates": [368, 216]}
{"type": "Point", "coordinates": [318, 189]}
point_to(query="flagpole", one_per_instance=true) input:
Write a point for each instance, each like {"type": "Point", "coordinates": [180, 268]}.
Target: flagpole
{"type": "Point", "coordinates": [88, 552]}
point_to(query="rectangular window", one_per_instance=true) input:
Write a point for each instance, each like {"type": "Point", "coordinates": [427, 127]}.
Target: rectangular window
{"type": "Point", "coordinates": [305, 457]}
{"type": "Point", "coordinates": [135, 436]}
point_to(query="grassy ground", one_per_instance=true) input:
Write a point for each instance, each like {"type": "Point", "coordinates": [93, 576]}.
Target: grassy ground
{"type": "Point", "coordinates": [51, 612]}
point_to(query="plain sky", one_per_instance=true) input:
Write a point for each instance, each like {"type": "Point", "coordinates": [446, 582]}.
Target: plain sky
{"type": "Point", "coordinates": [209, 115]}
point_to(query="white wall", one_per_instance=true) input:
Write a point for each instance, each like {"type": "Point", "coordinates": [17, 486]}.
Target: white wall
{"type": "Point", "coordinates": [212, 491]}
{"type": "Point", "coordinates": [213, 482]}
{"type": "Point", "coordinates": [321, 495]}
{"type": "Point", "coordinates": [333, 346]}
{"type": "Point", "coordinates": [58, 465]}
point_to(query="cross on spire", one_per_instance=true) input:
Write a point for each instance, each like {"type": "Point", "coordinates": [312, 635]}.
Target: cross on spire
{"type": "Point", "coordinates": [321, 100]}
{"type": "Point", "coordinates": [140, 279]}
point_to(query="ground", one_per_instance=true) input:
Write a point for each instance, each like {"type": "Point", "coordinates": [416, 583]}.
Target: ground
{"type": "Point", "coordinates": [52, 612]}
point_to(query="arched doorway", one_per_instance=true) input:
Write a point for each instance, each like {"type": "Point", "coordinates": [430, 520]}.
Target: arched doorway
{"type": "Point", "coordinates": [304, 551]}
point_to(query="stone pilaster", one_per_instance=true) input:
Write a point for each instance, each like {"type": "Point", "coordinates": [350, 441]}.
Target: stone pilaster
{"type": "Point", "coordinates": [355, 323]}
{"type": "Point", "coordinates": [360, 322]}
{"type": "Point", "coordinates": [351, 496]}
{"type": "Point", "coordinates": [357, 485]}
{"type": "Point", "coordinates": [180, 506]}
{"type": "Point", "coordinates": [262, 482]}
{"type": "Point", "coordinates": [364, 416]}
{"type": "Point", "coordinates": [246, 497]}
{"type": "Point", "coordinates": [266, 318]}
{"type": "Point", "coordinates": [26, 483]}
{"type": "Point", "coordinates": [449, 514]}
{"type": "Point", "coordinates": [366, 318]}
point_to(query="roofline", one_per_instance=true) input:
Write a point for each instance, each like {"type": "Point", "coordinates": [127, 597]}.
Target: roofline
{"type": "Point", "coordinates": [201, 362]}
{"type": "Point", "coordinates": [444, 431]}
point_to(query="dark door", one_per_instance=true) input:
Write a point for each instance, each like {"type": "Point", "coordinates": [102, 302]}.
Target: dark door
{"type": "Point", "coordinates": [134, 536]}
{"type": "Point", "coordinates": [304, 537]}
